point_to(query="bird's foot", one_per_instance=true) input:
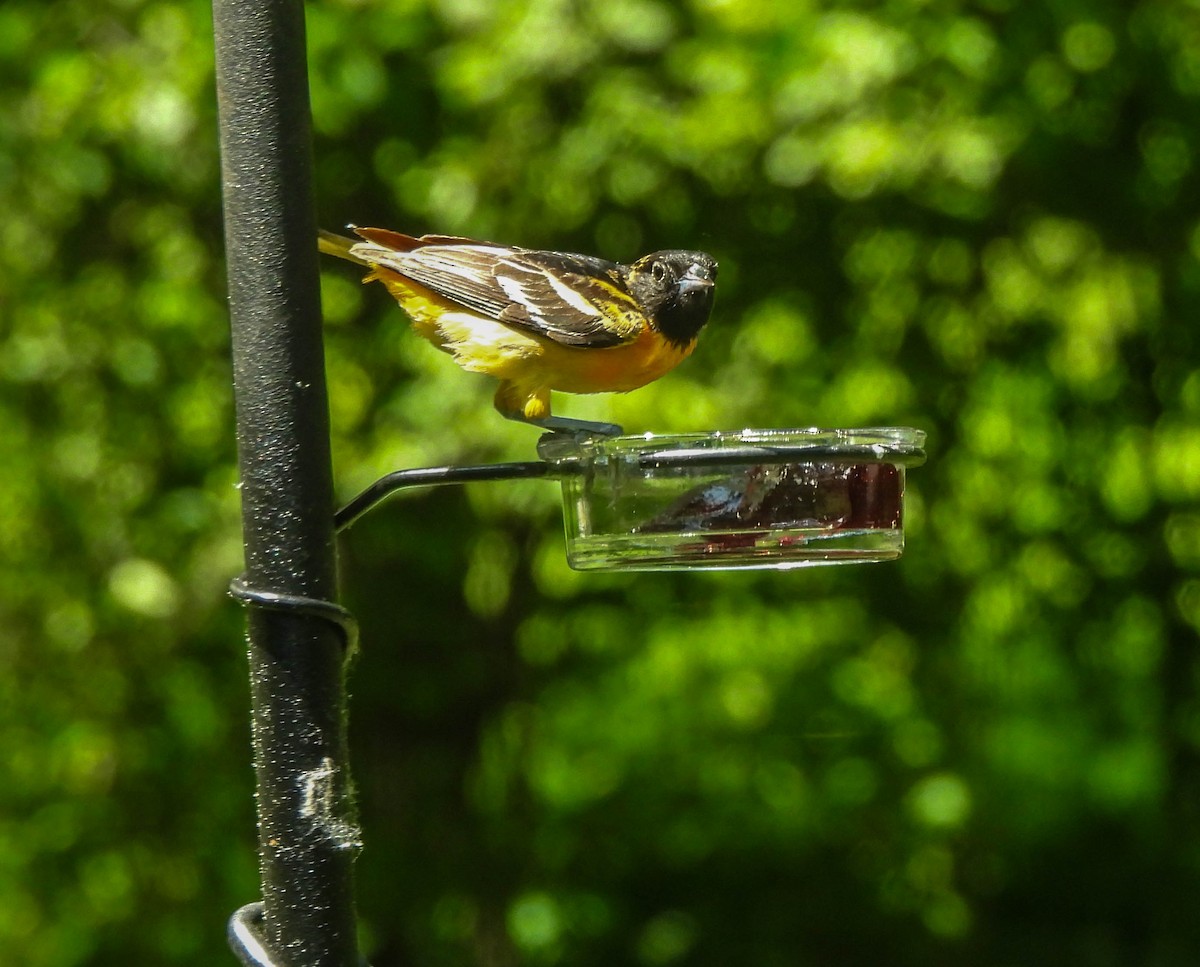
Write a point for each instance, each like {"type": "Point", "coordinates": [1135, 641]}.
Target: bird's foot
{"type": "Point", "coordinates": [576, 428]}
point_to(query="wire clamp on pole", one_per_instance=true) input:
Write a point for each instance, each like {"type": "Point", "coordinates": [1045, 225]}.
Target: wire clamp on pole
{"type": "Point", "coordinates": [245, 933]}
{"type": "Point", "coordinates": [245, 936]}
{"type": "Point", "coordinates": [296, 604]}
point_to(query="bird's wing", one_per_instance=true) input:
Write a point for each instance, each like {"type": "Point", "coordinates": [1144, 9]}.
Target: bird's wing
{"type": "Point", "coordinates": [574, 300]}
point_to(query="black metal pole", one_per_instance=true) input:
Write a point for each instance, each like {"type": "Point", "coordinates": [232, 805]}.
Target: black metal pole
{"type": "Point", "coordinates": [307, 828]}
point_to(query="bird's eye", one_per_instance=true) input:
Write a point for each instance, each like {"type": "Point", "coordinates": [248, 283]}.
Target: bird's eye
{"type": "Point", "coordinates": [659, 271]}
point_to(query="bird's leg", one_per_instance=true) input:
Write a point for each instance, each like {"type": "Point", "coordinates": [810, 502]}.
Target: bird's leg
{"type": "Point", "coordinates": [517, 403]}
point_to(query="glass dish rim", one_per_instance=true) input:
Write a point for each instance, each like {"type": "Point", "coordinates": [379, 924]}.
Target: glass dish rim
{"type": "Point", "coordinates": [876, 444]}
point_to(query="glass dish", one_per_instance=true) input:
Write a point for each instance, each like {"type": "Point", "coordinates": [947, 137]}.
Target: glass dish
{"type": "Point", "coordinates": [734, 499]}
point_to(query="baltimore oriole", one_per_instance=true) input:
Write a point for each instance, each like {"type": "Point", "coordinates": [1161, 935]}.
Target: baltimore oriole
{"type": "Point", "coordinates": [541, 321]}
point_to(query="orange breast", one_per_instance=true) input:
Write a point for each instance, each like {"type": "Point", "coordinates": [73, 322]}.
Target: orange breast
{"type": "Point", "coordinates": [614, 369]}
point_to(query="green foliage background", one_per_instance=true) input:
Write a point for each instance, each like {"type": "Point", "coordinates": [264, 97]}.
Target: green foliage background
{"type": "Point", "coordinates": [979, 218]}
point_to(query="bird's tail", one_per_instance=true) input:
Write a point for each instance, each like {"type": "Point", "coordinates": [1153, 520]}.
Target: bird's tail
{"type": "Point", "coordinates": [339, 245]}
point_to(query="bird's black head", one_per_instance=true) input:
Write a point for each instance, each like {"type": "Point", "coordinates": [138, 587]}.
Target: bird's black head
{"type": "Point", "coordinates": [675, 289]}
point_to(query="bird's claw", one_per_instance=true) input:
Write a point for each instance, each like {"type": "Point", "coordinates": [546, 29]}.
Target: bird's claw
{"type": "Point", "coordinates": [577, 428]}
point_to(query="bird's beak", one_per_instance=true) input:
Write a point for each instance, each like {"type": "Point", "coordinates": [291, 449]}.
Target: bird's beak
{"type": "Point", "coordinates": [694, 281]}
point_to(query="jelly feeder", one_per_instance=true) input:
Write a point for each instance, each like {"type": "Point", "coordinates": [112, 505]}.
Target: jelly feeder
{"type": "Point", "coordinates": [722, 499]}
